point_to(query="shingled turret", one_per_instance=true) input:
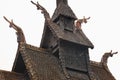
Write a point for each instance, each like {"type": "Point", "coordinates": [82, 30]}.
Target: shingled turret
{"type": "Point", "coordinates": [68, 46]}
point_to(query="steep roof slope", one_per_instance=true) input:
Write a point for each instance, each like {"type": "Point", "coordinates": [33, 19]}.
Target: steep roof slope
{"type": "Point", "coordinates": [40, 64]}
{"type": "Point", "coordinates": [79, 37]}
{"type": "Point", "coordinates": [101, 72]}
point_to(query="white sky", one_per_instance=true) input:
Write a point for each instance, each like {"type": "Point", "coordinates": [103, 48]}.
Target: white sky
{"type": "Point", "coordinates": [102, 29]}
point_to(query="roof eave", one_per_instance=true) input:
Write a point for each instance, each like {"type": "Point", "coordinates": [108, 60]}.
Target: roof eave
{"type": "Point", "coordinates": [88, 46]}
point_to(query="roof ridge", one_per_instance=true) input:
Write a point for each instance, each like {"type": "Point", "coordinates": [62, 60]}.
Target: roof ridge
{"type": "Point", "coordinates": [36, 48]}
{"type": "Point", "coordinates": [28, 62]}
{"type": "Point", "coordinates": [99, 64]}
{"type": "Point", "coordinates": [94, 63]}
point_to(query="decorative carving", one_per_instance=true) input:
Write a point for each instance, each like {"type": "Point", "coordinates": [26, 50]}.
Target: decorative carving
{"type": "Point", "coordinates": [43, 10]}
{"type": "Point", "coordinates": [48, 20]}
{"type": "Point", "coordinates": [106, 56]}
{"type": "Point", "coordinates": [20, 34]}
{"type": "Point", "coordinates": [78, 22]}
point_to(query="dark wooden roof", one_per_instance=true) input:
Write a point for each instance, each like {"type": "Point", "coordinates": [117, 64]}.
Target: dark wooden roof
{"type": "Point", "coordinates": [43, 66]}
{"type": "Point", "coordinates": [6, 75]}
{"type": "Point", "coordinates": [78, 37]}
{"type": "Point", "coordinates": [101, 72]}
{"type": "Point", "coordinates": [63, 9]}
{"type": "Point", "coordinates": [40, 64]}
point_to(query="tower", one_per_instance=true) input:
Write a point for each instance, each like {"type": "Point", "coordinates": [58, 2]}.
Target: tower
{"type": "Point", "coordinates": [71, 48]}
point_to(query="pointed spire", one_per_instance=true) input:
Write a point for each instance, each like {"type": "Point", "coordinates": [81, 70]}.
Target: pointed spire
{"type": "Point", "coordinates": [63, 9]}
{"type": "Point", "coordinates": [62, 1]}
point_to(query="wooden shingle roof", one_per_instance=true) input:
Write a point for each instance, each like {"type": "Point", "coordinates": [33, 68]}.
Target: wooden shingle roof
{"type": "Point", "coordinates": [40, 64]}
{"type": "Point", "coordinates": [6, 75]}
{"type": "Point", "coordinates": [101, 72]}
{"type": "Point", "coordinates": [78, 37]}
{"type": "Point", "coordinates": [44, 66]}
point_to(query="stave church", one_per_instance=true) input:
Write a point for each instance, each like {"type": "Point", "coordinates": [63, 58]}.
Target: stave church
{"type": "Point", "coordinates": [63, 53]}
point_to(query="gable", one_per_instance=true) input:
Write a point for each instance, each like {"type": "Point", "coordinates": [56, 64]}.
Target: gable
{"type": "Point", "coordinates": [19, 65]}
{"type": "Point", "coordinates": [39, 63]}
